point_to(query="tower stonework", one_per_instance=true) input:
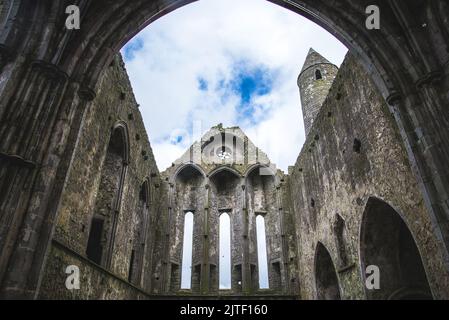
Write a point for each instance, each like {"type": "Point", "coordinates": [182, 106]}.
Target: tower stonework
{"type": "Point", "coordinates": [314, 82]}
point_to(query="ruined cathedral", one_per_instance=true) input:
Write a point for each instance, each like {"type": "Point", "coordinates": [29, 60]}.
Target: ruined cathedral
{"type": "Point", "coordinates": [361, 214]}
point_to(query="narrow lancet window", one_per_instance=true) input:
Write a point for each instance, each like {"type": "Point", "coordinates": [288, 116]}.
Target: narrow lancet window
{"type": "Point", "coordinates": [186, 272]}
{"type": "Point", "coordinates": [225, 252]}
{"type": "Point", "coordinates": [262, 252]}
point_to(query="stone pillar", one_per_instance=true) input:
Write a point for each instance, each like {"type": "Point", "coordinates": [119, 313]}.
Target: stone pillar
{"type": "Point", "coordinates": [38, 137]}
{"type": "Point", "coordinates": [285, 278]}
{"type": "Point", "coordinates": [166, 247]}
{"type": "Point", "coordinates": [205, 264]}
{"type": "Point", "coordinates": [246, 268]}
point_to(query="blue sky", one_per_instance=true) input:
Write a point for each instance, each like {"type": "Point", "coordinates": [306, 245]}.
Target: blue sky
{"type": "Point", "coordinates": [225, 61]}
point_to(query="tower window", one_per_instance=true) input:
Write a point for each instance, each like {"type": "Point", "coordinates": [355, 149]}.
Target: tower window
{"type": "Point", "coordinates": [318, 75]}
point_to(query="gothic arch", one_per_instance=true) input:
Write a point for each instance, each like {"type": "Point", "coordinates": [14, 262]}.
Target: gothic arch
{"type": "Point", "coordinates": [188, 197]}
{"type": "Point", "coordinates": [226, 169]}
{"type": "Point", "coordinates": [326, 278]}
{"type": "Point", "coordinates": [387, 242]}
{"type": "Point", "coordinates": [184, 167]}
{"type": "Point", "coordinates": [268, 170]}
{"type": "Point", "coordinates": [122, 129]}
{"type": "Point", "coordinates": [100, 245]}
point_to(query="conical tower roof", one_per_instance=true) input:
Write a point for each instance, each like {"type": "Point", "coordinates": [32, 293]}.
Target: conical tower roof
{"type": "Point", "coordinates": [313, 58]}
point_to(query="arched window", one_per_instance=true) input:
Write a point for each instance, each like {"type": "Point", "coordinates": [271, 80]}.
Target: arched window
{"type": "Point", "coordinates": [225, 252]}
{"type": "Point", "coordinates": [262, 252]}
{"type": "Point", "coordinates": [327, 287]}
{"type": "Point", "coordinates": [318, 75]}
{"type": "Point", "coordinates": [107, 206]}
{"type": "Point", "coordinates": [187, 248]}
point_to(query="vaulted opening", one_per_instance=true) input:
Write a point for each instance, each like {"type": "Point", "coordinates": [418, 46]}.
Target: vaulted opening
{"type": "Point", "coordinates": [326, 279]}
{"type": "Point", "coordinates": [387, 243]}
{"type": "Point", "coordinates": [107, 207]}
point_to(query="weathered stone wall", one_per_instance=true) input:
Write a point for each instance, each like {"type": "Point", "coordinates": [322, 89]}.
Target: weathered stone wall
{"type": "Point", "coordinates": [95, 282]}
{"type": "Point", "coordinates": [354, 153]}
{"type": "Point", "coordinates": [85, 193]}
{"type": "Point", "coordinates": [243, 184]}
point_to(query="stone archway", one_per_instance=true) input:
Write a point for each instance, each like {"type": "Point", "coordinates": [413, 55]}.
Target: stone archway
{"type": "Point", "coordinates": [387, 243]}
{"type": "Point", "coordinates": [53, 73]}
{"type": "Point", "coordinates": [326, 279]}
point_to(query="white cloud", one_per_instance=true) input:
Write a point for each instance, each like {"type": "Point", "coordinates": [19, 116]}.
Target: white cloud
{"type": "Point", "coordinates": [204, 40]}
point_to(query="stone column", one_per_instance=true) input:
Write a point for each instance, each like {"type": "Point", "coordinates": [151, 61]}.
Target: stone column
{"type": "Point", "coordinates": [166, 247]}
{"type": "Point", "coordinates": [246, 268]}
{"type": "Point", "coordinates": [38, 136]}
{"type": "Point", "coordinates": [285, 278]}
{"type": "Point", "coordinates": [205, 263]}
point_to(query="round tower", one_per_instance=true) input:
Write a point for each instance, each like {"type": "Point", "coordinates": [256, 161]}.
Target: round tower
{"type": "Point", "coordinates": [314, 82]}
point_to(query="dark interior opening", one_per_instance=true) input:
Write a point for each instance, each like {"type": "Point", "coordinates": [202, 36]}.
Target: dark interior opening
{"type": "Point", "coordinates": [94, 248]}
{"type": "Point", "coordinates": [327, 287]}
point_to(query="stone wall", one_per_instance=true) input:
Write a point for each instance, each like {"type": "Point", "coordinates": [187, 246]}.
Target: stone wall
{"type": "Point", "coordinates": [354, 154]}
{"type": "Point", "coordinates": [86, 195]}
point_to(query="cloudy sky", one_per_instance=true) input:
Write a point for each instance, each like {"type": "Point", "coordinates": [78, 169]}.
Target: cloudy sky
{"type": "Point", "coordinates": [225, 61]}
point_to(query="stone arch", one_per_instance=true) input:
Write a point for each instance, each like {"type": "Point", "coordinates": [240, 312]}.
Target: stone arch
{"type": "Point", "coordinates": [188, 195]}
{"type": "Point", "coordinates": [182, 169]}
{"type": "Point", "coordinates": [229, 170]}
{"type": "Point", "coordinates": [226, 196]}
{"type": "Point", "coordinates": [326, 279]}
{"type": "Point", "coordinates": [261, 197]}
{"type": "Point", "coordinates": [267, 170]}
{"type": "Point", "coordinates": [387, 242]}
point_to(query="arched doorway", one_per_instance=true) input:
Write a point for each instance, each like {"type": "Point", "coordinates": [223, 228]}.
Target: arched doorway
{"type": "Point", "coordinates": [326, 279]}
{"type": "Point", "coordinates": [387, 243]}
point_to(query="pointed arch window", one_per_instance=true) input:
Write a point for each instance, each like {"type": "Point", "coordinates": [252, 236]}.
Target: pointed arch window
{"type": "Point", "coordinates": [262, 252]}
{"type": "Point", "coordinates": [140, 235]}
{"type": "Point", "coordinates": [318, 75]}
{"type": "Point", "coordinates": [107, 207]}
{"type": "Point", "coordinates": [187, 250]}
{"type": "Point", "coordinates": [225, 251]}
